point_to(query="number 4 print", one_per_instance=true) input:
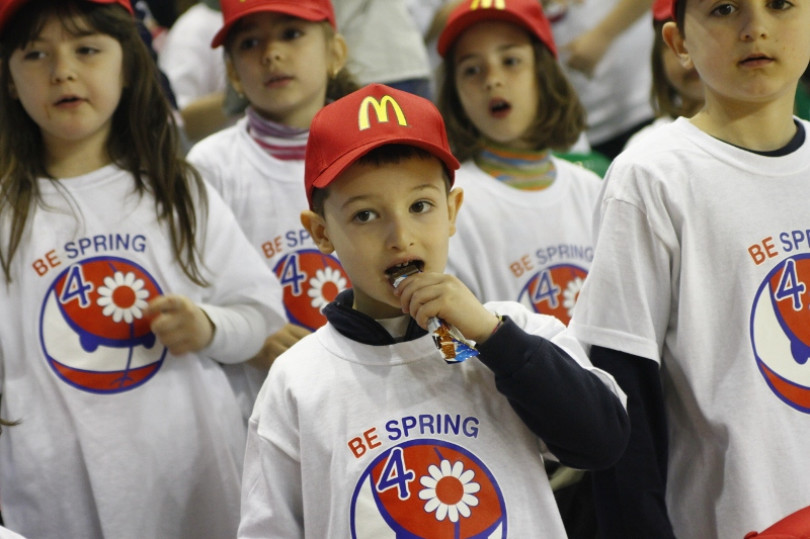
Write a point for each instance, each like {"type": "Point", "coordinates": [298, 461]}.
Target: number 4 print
{"type": "Point", "coordinates": [396, 475]}
{"type": "Point", "coordinates": [790, 286]}
{"type": "Point", "coordinates": [547, 290]}
{"type": "Point", "coordinates": [76, 287]}
{"type": "Point", "coordinates": [291, 276]}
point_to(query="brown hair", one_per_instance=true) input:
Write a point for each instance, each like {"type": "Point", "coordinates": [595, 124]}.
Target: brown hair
{"type": "Point", "coordinates": [664, 96]}
{"type": "Point", "coordinates": [143, 140]}
{"type": "Point", "coordinates": [343, 82]}
{"type": "Point", "coordinates": [680, 10]}
{"type": "Point", "coordinates": [560, 119]}
{"type": "Point", "coordinates": [382, 155]}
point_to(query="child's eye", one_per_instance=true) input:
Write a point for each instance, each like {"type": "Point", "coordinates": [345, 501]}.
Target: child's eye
{"type": "Point", "coordinates": [780, 5]}
{"type": "Point", "coordinates": [87, 50]}
{"type": "Point", "coordinates": [248, 43]}
{"type": "Point", "coordinates": [469, 70]}
{"type": "Point", "coordinates": [290, 34]}
{"type": "Point", "coordinates": [421, 206]}
{"type": "Point", "coordinates": [511, 61]}
{"type": "Point", "coordinates": [364, 216]}
{"type": "Point", "coordinates": [723, 10]}
{"type": "Point", "coordinates": [33, 55]}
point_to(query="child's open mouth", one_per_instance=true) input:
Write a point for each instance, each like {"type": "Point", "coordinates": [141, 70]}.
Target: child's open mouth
{"type": "Point", "coordinates": [499, 107]}
{"type": "Point", "coordinates": [400, 271]}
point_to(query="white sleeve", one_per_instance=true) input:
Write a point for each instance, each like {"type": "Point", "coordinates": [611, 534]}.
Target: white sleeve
{"type": "Point", "coordinates": [193, 68]}
{"type": "Point", "coordinates": [625, 302]}
{"type": "Point", "coordinates": [207, 157]}
{"type": "Point", "coordinates": [272, 498]}
{"type": "Point", "coordinates": [244, 299]}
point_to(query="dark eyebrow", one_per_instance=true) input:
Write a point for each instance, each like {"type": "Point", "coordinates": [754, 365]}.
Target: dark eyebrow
{"type": "Point", "coordinates": [352, 200]}
{"type": "Point", "coordinates": [74, 33]}
{"type": "Point", "coordinates": [502, 48]}
{"type": "Point", "coordinates": [420, 187]}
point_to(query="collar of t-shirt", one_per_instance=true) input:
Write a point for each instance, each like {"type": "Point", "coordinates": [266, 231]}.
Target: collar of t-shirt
{"type": "Point", "coordinates": [362, 328]}
{"type": "Point", "coordinates": [281, 141]}
{"type": "Point", "coordinates": [794, 144]}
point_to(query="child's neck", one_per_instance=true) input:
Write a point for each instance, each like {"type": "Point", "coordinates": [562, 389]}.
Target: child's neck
{"type": "Point", "coordinates": [690, 107]}
{"type": "Point", "coordinates": [530, 170]}
{"type": "Point", "coordinates": [71, 159]}
{"type": "Point", "coordinates": [759, 127]}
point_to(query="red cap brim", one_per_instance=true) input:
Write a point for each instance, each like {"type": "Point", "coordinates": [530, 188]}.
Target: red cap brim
{"type": "Point", "coordinates": [308, 13]}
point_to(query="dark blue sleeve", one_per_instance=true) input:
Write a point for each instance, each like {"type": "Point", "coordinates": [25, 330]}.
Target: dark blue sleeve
{"type": "Point", "coordinates": [629, 496]}
{"type": "Point", "coordinates": [578, 418]}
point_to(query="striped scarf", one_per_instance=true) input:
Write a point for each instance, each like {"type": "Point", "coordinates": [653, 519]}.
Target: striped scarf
{"type": "Point", "coordinates": [281, 141]}
{"type": "Point", "coordinates": [529, 170]}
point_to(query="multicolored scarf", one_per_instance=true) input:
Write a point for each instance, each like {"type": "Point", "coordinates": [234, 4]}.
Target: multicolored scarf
{"type": "Point", "coordinates": [529, 170]}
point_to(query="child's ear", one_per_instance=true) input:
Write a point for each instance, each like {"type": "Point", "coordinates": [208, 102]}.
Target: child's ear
{"type": "Point", "coordinates": [338, 54]}
{"type": "Point", "coordinates": [454, 199]}
{"type": "Point", "coordinates": [316, 226]}
{"type": "Point", "coordinates": [233, 76]}
{"type": "Point", "coordinates": [675, 41]}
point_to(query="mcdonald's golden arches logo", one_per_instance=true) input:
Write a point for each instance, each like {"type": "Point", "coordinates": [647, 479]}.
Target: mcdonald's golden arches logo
{"type": "Point", "coordinates": [380, 111]}
{"type": "Point", "coordinates": [488, 4]}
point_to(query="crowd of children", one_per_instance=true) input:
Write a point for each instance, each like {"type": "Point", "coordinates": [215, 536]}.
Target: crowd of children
{"type": "Point", "coordinates": [293, 305]}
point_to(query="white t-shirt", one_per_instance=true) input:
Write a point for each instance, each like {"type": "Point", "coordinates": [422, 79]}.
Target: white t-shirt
{"type": "Point", "coordinates": [5, 533]}
{"type": "Point", "coordinates": [267, 197]}
{"type": "Point", "coordinates": [617, 96]}
{"type": "Point", "coordinates": [645, 131]}
{"type": "Point", "coordinates": [193, 68]}
{"type": "Point", "coordinates": [118, 437]}
{"type": "Point", "coordinates": [354, 440]}
{"type": "Point", "coordinates": [533, 247]}
{"type": "Point", "coordinates": [384, 41]}
{"type": "Point", "coordinates": [702, 264]}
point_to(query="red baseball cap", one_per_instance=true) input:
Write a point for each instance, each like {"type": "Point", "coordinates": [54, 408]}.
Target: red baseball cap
{"type": "Point", "coordinates": [525, 13]}
{"type": "Point", "coordinates": [310, 10]}
{"type": "Point", "coordinates": [9, 7]}
{"type": "Point", "coordinates": [373, 116]}
{"type": "Point", "coordinates": [663, 10]}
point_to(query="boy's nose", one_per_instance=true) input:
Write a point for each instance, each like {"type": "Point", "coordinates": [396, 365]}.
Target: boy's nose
{"type": "Point", "coordinates": [399, 236]}
{"type": "Point", "coordinates": [754, 26]}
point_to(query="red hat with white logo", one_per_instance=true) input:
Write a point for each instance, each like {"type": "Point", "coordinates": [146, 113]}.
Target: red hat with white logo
{"type": "Point", "coordinates": [310, 10]}
{"type": "Point", "coordinates": [9, 7]}
{"type": "Point", "coordinates": [373, 116]}
{"type": "Point", "coordinates": [663, 10]}
{"type": "Point", "coordinates": [525, 13]}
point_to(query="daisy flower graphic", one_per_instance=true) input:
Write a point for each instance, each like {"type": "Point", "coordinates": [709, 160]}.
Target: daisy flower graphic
{"type": "Point", "coordinates": [449, 490]}
{"type": "Point", "coordinates": [571, 293]}
{"type": "Point", "coordinates": [325, 286]}
{"type": "Point", "coordinates": [123, 297]}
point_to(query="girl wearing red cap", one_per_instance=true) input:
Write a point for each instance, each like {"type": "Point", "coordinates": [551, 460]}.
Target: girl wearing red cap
{"type": "Point", "coordinates": [287, 59]}
{"type": "Point", "coordinates": [127, 282]}
{"type": "Point", "coordinates": [526, 232]}
{"type": "Point", "coordinates": [507, 103]}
